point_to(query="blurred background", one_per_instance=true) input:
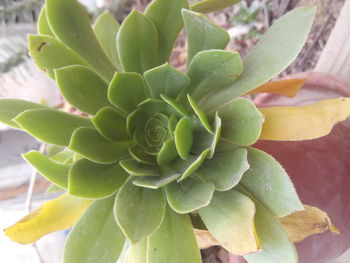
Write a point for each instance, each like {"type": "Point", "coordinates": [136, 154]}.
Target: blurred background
{"type": "Point", "coordinates": [20, 189]}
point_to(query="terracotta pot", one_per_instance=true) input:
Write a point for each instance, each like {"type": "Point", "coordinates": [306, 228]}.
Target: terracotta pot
{"type": "Point", "coordinates": [320, 168]}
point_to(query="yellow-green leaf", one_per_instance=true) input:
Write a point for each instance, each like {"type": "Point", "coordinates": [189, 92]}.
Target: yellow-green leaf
{"type": "Point", "coordinates": [58, 214]}
{"type": "Point", "coordinates": [298, 123]}
{"type": "Point", "coordinates": [230, 218]}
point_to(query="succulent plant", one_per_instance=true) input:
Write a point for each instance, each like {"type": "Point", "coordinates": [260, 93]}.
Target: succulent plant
{"type": "Point", "coordinates": [158, 152]}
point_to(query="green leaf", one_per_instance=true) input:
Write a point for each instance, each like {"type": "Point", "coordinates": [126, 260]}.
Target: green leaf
{"type": "Point", "coordinates": [207, 6]}
{"type": "Point", "coordinates": [70, 24]}
{"type": "Point", "coordinates": [126, 91]}
{"type": "Point", "coordinates": [167, 153]}
{"type": "Point", "coordinates": [54, 172]}
{"type": "Point", "coordinates": [189, 195]}
{"type": "Point", "coordinates": [92, 180]}
{"type": "Point", "coordinates": [135, 168]}
{"type": "Point", "coordinates": [174, 241]}
{"type": "Point", "coordinates": [204, 140]}
{"type": "Point", "coordinates": [230, 219]}
{"type": "Point", "coordinates": [166, 16]}
{"type": "Point", "coordinates": [63, 156]}
{"type": "Point", "coordinates": [212, 70]}
{"type": "Point", "coordinates": [274, 241]}
{"type": "Point", "coordinates": [139, 211]}
{"type": "Point", "coordinates": [10, 108]}
{"type": "Point", "coordinates": [90, 144]}
{"type": "Point", "coordinates": [275, 51]}
{"type": "Point", "coordinates": [156, 182]}
{"type": "Point", "coordinates": [137, 43]}
{"type": "Point", "coordinates": [200, 114]}
{"type": "Point", "coordinates": [241, 122]}
{"type": "Point", "coordinates": [96, 237]}
{"type": "Point", "coordinates": [191, 164]}
{"type": "Point", "coordinates": [54, 189]}
{"type": "Point", "coordinates": [82, 88]}
{"type": "Point", "coordinates": [137, 253]}
{"type": "Point", "coordinates": [178, 107]}
{"type": "Point", "coordinates": [139, 155]}
{"type": "Point", "coordinates": [111, 124]}
{"type": "Point", "coordinates": [202, 34]}
{"type": "Point", "coordinates": [48, 53]}
{"type": "Point", "coordinates": [225, 170]}
{"type": "Point", "coordinates": [268, 182]}
{"type": "Point", "coordinates": [106, 29]}
{"type": "Point", "coordinates": [51, 126]}
{"type": "Point", "coordinates": [43, 25]}
{"type": "Point", "coordinates": [166, 80]}
{"type": "Point", "coordinates": [183, 137]}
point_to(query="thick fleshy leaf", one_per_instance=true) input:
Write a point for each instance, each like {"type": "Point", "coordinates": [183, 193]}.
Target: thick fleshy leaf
{"type": "Point", "coordinates": [166, 16]}
{"type": "Point", "coordinates": [96, 237]}
{"type": "Point", "coordinates": [183, 137]}
{"type": "Point", "coordinates": [230, 218]}
{"type": "Point", "coordinates": [202, 34]}
{"type": "Point", "coordinates": [300, 123]}
{"type": "Point", "coordinates": [166, 80]}
{"type": "Point", "coordinates": [54, 172]}
{"type": "Point", "coordinates": [53, 188]}
{"type": "Point", "coordinates": [284, 87]}
{"type": "Point", "coordinates": [49, 53]}
{"type": "Point", "coordinates": [191, 164]}
{"type": "Point", "coordinates": [10, 108]}
{"type": "Point", "coordinates": [212, 70]}
{"type": "Point", "coordinates": [178, 107]}
{"type": "Point", "coordinates": [51, 126]}
{"type": "Point", "coordinates": [274, 241]}
{"type": "Point", "coordinates": [241, 122]}
{"type": "Point", "coordinates": [310, 221]}
{"type": "Point", "coordinates": [203, 140]}
{"type": "Point", "coordinates": [90, 144]}
{"type": "Point", "coordinates": [174, 241]}
{"type": "Point", "coordinates": [70, 24]}
{"type": "Point", "coordinates": [225, 170]}
{"type": "Point", "coordinates": [137, 253]}
{"type": "Point", "coordinates": [206, 6]}
{"type": "Point", "coordinates": [139, 155]}
{"type": "Point", "coordinates": [126, 91]}
{"type": "Point", "coordinates": [139, 211]}
{"type": "Point", "coordinates": [167, 153]}
{"type": "Point", "coordinates": [156, 182]}
{"type": "Point", "coordinates": [137, 43]}
{"type": "Point", "coordinates": [189, 195]}
{"type": "Point", "coordinates": [63, 156]}
{"type": "Point", "coordinates": [111, 124]}
{"type": "Point", "coordinates": [135, 168]}
{"type": "Point", "coordinates": [268, 182]}
{"type": "Point", "coordinates": [82, 88]}
{"type": "Point", "coordinates": [200, 114]}
{"type": "Point", "coordinates": [43, 26]}
{"type": "Point", "coordinates": [92, 180]}
{"type": "Point", "coordinates": [278, 48]}
{"type": "Point", "coordinates": [58, 214]}
{"type": "Point", "coordinates": [106, 29]}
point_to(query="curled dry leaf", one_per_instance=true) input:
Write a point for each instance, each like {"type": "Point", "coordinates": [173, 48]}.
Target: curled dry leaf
{"type": "Point", "coordinates": [310, 221]}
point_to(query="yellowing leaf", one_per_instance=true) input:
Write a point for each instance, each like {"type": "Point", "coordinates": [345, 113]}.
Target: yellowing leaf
{"type": "Point", "coordinates": [284, 87]}
{"type": "Point", "coordinates": [310, 221]}
{"type": "Point", "coordinates": [298, 123]}
{"type": "Point", "coordinates": [205, 239]}
{"type": "Point", "coordinates": [58, 214]}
